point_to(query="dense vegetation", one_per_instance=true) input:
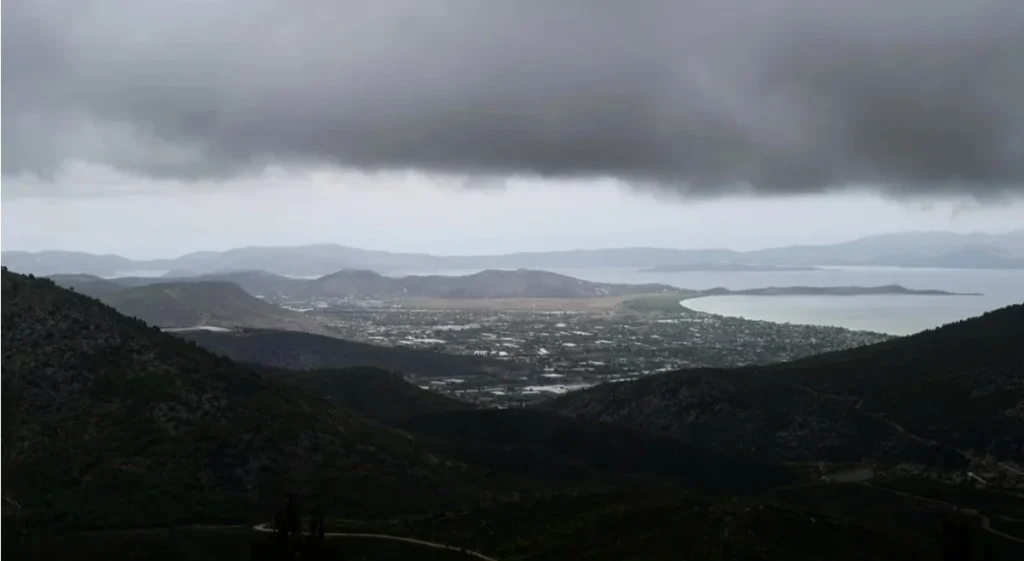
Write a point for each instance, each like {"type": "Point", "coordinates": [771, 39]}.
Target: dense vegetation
{"type": "Point", "coordinates": [543, 447]}
{"type": "Point", "coordinates": [110, 423]}
{"type": "Point", "coordinates": [370, 392]}
{"type": "Point", "coordinates": [961, 385]}
{"type": "Point", "coordinates": [737, 411]}
{"type": "Point", "coordinates": [654, 525]}
{"type": "Point", "coordinates": [304, 351]}
{"type": "Point", "coordinates": [107, 421]}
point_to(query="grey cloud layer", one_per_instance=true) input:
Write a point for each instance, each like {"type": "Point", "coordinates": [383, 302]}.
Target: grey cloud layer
{"type": "Point", "coordinates": [917, 96]}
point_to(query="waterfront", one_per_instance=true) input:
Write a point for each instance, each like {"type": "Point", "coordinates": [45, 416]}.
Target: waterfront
{"type": "Point", "coordinates": [898, 315]}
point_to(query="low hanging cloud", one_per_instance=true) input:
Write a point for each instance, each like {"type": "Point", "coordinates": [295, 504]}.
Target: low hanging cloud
{"type": "Point", "coordinates": [913, 97]}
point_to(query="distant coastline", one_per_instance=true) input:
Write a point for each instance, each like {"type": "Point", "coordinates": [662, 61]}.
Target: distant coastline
{"type": "Point", "coordinates": [889, 289]}
{"type": "Point", "coordinates": [726, 268]}
{"type": "Point", "coordinates": [861, 308]}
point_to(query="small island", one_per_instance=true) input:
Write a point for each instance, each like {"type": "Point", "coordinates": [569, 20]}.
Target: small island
{"type": "Point", "coordinates": [726, 268]}
{"type": "Point", "coordinates": [888, 289]}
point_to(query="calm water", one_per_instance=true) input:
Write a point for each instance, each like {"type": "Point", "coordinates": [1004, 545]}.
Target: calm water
{"type": "Point", "coordinates": [887, 314]}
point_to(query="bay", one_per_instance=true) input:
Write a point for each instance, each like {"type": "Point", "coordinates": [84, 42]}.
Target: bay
{"type": "Point", "coordinates": [895, 314]}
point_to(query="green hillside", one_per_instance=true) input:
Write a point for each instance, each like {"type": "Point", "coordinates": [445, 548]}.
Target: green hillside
{"type": "Point", "coordinates": [307, 351]}
{"type": "Point", "coordinates": [961, 385]}
{"type": "Point", "coordinates": [109, 422]}
{"type": "Point", "coordinates": [371, 392]}
{"type": "Point", "coordinates": [542, 447]}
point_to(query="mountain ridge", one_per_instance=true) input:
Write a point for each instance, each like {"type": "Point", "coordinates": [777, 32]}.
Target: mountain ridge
{"type": "Point", "coordinates": [908, 249]}
{"type": "Point", "coordinates": [367, 284]}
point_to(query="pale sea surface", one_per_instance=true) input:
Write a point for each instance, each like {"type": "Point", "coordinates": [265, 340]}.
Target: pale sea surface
{"type": "Point", "coordinates": [896, 314]}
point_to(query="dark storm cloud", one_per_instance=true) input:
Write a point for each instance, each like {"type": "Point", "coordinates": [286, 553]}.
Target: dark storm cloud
{"type": "Point", "coordinates": [911, 96]}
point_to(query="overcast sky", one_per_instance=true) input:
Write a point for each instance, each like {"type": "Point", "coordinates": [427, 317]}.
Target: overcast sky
{"type": "Point", "coordinates": [409, 212]}
{"type": "Point", "coordinates": [155, 128]}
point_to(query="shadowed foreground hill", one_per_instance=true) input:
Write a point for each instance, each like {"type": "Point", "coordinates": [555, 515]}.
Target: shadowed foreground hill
{"type": "Point", "coordinates": [213, 303]}
{"type": "Point", "coordinates": [533, 445]}
{"type": "Point", "coordinates": [962, 384]}
{"type": "Point", "coordinates": [371, 392]}
{"type": "Point", "coordinates": [539, 446]}
{"type": "Point", "coordinates": [655, 525]}
{"type": "Point", "coordinates": [305, 351]}
{"type": "Point", "coordinates": [109, 422]}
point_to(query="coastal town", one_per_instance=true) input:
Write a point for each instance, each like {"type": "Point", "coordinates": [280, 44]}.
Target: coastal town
{"type": "Point", "coordinates": [561, 350]}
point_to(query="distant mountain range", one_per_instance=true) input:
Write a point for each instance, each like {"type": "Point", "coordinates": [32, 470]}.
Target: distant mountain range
{"type": "Point", "coordinates": [364, 284]}
{"type": "Point", "coordinates": [171, 301]}
{"type": "Point", "coordinates": [910, 249]}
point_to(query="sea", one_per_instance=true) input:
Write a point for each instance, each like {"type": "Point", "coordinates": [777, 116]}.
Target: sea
{"type": "Point", "coordinates": [892, 314]}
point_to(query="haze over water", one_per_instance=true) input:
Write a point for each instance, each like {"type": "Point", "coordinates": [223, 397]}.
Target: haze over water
{"type": "Point", "coordinates": [895, 314]}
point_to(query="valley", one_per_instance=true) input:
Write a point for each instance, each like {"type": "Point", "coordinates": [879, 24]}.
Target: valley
{"type": "Point", "coordinates": [559, 350]}
{"type": "Point", "coordinates": [512, 281]}
{"type": "Point", "coordinates": [626, 422]}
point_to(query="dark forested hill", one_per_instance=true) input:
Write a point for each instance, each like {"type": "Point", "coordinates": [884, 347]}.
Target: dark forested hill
{"type": "Point", "coordinates": [961, 385]}
{"type": "Point", "coordinates": [305, 351]}
{"type": "Point", "coordinates": [371, 392]}
{"type": "Point", "coordinates": [107, 421]}
{"type": "Point", "coordinates": [541, 446]}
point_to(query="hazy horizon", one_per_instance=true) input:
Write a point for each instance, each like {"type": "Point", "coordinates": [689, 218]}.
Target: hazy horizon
{"type": "Point", "coordinates": [421, 216]}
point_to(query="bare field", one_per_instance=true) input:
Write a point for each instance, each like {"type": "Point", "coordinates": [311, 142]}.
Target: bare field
{"type": "Point", "coordinates": [603, 304]}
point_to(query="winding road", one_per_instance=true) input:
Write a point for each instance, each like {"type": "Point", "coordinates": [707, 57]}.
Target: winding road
{"type": "Point", "coordinates": [267, 529]}
{"type": "Point", "coordinates": [986, 523]}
